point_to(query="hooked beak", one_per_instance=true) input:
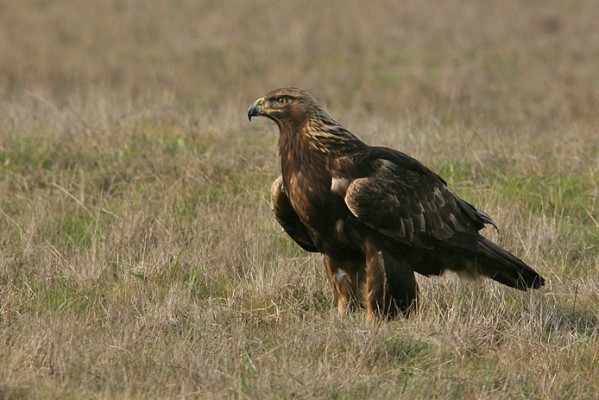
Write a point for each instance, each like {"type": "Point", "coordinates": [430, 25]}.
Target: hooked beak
{"type": "Point", "coordinates": [256, 109]}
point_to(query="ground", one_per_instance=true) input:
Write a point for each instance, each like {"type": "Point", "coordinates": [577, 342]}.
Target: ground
{"type": "Point", "coordinates": [138, 254]}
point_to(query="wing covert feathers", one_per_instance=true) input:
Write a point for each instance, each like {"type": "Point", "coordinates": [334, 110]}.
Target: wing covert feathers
{"type": "Point", "coordinates": [287, 218]}
{"type": "Point", "coordinates": [410, 205]}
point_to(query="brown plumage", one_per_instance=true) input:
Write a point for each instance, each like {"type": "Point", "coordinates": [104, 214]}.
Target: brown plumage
{"type": "Point", "coordinates": [376, 214]}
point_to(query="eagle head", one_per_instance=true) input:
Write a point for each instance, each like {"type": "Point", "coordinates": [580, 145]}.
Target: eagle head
{"type": "Point", "coordinates": [299, 115]}
{"type": "Point", "coordinates": [291, 105]}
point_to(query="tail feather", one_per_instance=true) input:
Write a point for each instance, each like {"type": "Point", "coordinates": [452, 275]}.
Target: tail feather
{"type": "Point", "coordinates": [488, 259]}
{"type": "Point", "coordinates": [504, 267]}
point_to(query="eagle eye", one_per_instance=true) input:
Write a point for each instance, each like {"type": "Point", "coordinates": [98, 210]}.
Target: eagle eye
{"type": "Point", "coordinates": [281, 101]}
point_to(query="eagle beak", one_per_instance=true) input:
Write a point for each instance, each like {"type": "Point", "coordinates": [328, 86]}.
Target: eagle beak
{"type": "Point", "coordinates": [256, 109]}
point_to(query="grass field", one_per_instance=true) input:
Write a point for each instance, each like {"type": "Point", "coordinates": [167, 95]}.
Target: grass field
{"type": "Point", "coordinates": [138, 254]}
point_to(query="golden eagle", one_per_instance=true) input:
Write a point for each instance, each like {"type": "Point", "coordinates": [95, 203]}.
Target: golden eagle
{"type": "Point", "coordinates": [376, 214]}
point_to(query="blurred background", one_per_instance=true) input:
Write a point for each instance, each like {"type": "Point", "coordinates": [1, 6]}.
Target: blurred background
{"type": "Point", "coordinates": [492, 63]}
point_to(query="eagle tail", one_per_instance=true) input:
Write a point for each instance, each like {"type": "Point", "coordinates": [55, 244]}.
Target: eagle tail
{"type": "Point", "coordinates": [502, 266]}
{"type": "Point", "coordinates": [488, 259]}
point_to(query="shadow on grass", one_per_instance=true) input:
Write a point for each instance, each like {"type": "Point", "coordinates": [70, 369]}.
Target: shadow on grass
{"type": "Point", "coordinates": [577, 321]}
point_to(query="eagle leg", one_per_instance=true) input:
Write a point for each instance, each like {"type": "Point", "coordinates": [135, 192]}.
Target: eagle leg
{"type": "Point", "coordinates": [390, 285]}
{"type": "Point", "coordinates": [402, 286]}
{"type": "Point", "coordinates": [345, 280]}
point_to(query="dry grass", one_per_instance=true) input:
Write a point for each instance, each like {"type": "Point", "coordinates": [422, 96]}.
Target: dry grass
{"type": "Point", "coordinates": [138, 256]}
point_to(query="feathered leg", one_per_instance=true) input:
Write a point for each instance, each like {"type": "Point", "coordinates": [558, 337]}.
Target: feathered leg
{"type": "Point", "coordinates": [375, 295]}
{"type": "Point", "coordinates": [345, 280]}
{"type": "Point", "coordinates": [390, 285]}
{"type": "Point", "coordinates": [402, 286]}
